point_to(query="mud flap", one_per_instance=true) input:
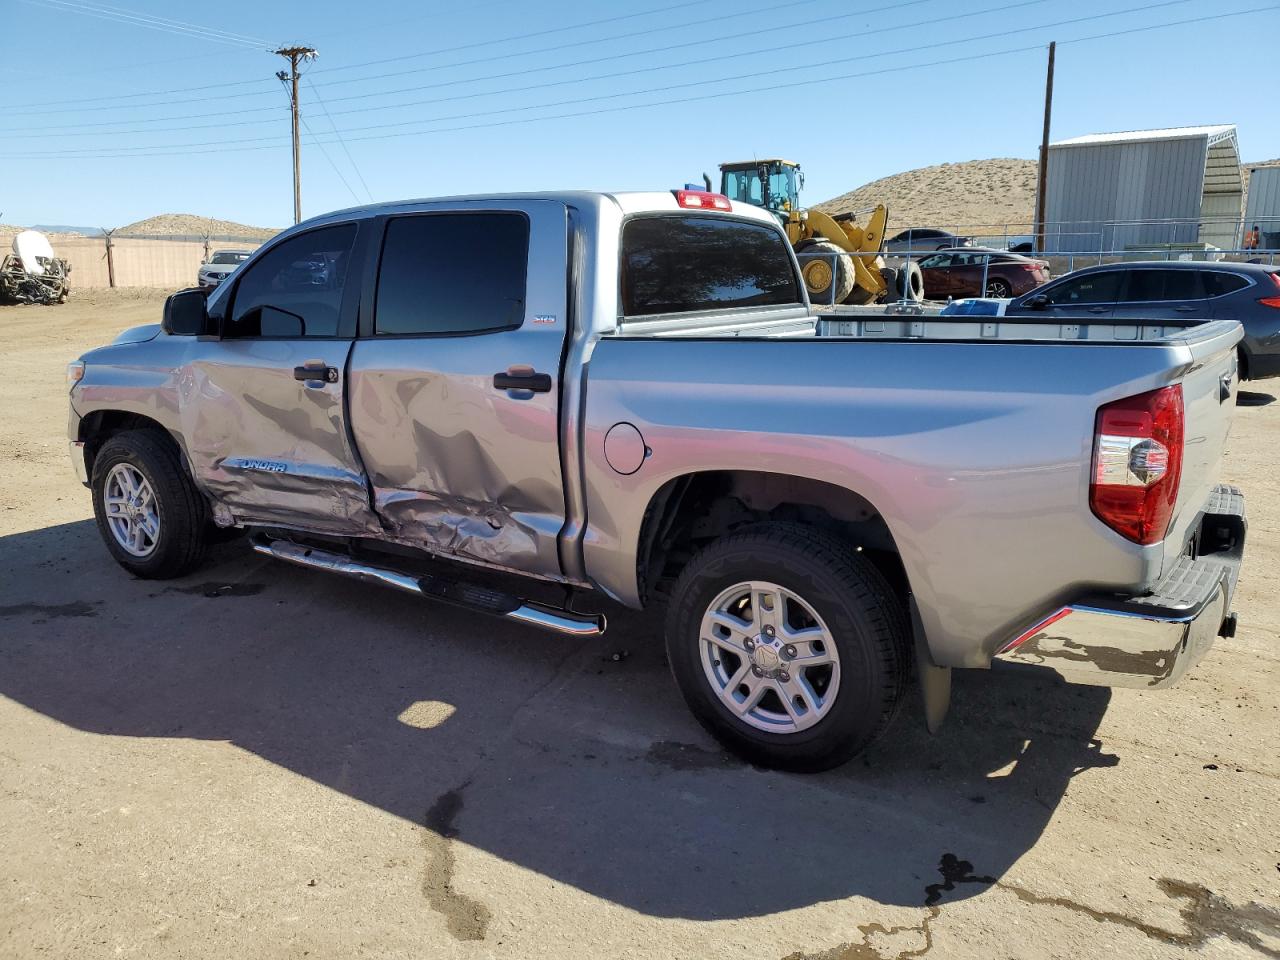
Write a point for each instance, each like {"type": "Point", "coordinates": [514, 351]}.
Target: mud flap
{"type": "Point", "coordinates": [935, 681]}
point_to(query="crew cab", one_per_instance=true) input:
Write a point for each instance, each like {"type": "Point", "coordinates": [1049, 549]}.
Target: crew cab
{"type": "Point", "coordinates": [627, 395]}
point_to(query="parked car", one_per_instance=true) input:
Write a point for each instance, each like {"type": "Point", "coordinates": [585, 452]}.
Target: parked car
{"type": "Point", "coordinates": [959, 273]}
{"type": "Point", "coordinates": [219, 267]}
{"type": "Point", "coordinates": [1173, 290]}
{"type": "Point", "coordinates": [921, 240]}
{"type": "Point", "coordinates": [627, 395]}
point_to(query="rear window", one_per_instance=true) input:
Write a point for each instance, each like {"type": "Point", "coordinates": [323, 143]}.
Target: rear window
{"type": "Point", "coordinates": [1146, 286]}
{"type": "Point", "coordinates": [678, 264]}
{"type": "Point", "coordinates": [1217, 283]}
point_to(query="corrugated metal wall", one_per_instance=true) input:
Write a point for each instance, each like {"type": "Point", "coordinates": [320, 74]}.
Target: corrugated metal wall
{"type": "Point", "coordinates": [1093, 184]}
{"type": "Point", "coordinates": [1263, 207]}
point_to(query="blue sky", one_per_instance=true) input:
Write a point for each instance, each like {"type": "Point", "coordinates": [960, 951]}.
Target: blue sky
{"type": "Point", "coordinates": [853, 90]}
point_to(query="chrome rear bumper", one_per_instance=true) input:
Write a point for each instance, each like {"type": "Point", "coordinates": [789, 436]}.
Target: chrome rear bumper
{"type": "Point", "coordinates": [1147, 642]}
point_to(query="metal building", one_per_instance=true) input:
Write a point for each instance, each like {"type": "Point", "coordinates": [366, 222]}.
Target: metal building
{"type": "Point", "coordinates": [1143, 188]}
{"type": "Point", "coordinates": [1263, 206]}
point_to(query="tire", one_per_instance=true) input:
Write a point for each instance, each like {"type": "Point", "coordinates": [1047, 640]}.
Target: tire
{"type": "Point", "coordinates": [910, 282]}
{"type": "Point", "coordinates": [824, 584]}
{"type": "Point", "coordinates": [998, 288]}
{"type": "Point", "coordinates": [819, 275]}
{"type": "Point", "coordinates": [175, 530]}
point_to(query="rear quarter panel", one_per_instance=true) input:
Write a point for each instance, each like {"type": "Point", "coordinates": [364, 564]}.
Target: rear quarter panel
{"type": "Point", "coordinates": [977, 456]}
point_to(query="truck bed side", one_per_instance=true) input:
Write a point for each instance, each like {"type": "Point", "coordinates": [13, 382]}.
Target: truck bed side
{"type": "Point", "coordinates": [976, 455]}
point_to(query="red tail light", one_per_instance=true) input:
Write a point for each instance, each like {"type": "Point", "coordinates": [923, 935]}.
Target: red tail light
{"type": "Point", "coordinates": [1272, 301]}
{"type": "Point", "coordinates": [1137, 464]}
{"type": "Point", "coordinates": [702, 200]}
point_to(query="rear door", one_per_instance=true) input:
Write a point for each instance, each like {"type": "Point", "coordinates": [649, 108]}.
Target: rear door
{"type": "Point", "coordinates": [456, 380]}
{"type": "Point", "coordinates": [262, 406]}
{"type": "Point", "coordinates": [1155, 293]}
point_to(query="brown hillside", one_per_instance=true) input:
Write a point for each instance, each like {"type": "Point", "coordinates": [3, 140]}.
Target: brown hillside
{"type": "Point", "coordinates": [189, 225]}
{"type": "Point", "coordinates": [974, 194]}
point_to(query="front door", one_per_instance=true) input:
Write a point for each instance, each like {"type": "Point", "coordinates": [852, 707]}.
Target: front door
{"type": "Point", "coordinates": [264, 413]}
{"type": "Point", "coordinates": [455, 380]}
{"type": "Point", "coordinates": [1085, 298]}
{"type": "Point", "coordinates": [1155, 293]}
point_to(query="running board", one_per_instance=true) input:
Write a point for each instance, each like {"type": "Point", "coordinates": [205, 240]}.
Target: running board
{"type": "Point", "coordinates": [456, 592]}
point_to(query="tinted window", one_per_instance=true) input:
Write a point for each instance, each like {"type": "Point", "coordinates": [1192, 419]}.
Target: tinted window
{"type": "Point", "coordinates": [229, 256]}
{"type": "Point", "coordinates": [295, 289]}
{"type": "Point", "coordinates": [936, 261]}
{"type": "Point", "coordinates": [677, 264]}
{"type": "Point", "coordinates": [1146, 286]}
{"type": "Point", "coordinates": [452, 273]}
{"type": "Point", "coordinates": [1217, 283]}
{"type": "Point", "coordinates": [1091, 288]}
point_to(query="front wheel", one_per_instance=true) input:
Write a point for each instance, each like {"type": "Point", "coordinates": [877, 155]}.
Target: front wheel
{"type": "Point", "coordinates": [149, 513]}
{"type": "Point", "coordinates": [998, 288]}
{"type": "Point", "coordinates": [788, 646]}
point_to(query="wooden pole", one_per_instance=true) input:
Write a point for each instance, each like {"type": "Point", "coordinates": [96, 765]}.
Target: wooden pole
{"type": "Point", "coordinates": [1042, 176]}
{"type": "Point", "coordinates": [111, 260]}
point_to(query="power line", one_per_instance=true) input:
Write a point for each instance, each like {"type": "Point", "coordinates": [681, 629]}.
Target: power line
{"type": "Point", "coordinates": [350, 159]}
{"type": "Point", "coordinates": [220, 148]}
{"type": "Point", "coordinates": [163, 24]}
{"type": "Point", "coordinates": [752, 75]}
{"type": "Point", "coordinates": [515, 73]}
{"type": "Point", "coordinates": [325, 153]}
{"type": "Point", "coordinates": [28, 107]}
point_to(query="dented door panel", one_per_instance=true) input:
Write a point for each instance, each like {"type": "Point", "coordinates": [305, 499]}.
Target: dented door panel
{"type": "Point", "coordinates": [457, 464]}
{"type": "Point", "coordinates": [266, 447]}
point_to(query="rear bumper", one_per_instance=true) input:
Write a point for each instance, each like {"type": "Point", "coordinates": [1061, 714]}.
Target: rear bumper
{"type": "Point", "coordinates": [1147, 642]}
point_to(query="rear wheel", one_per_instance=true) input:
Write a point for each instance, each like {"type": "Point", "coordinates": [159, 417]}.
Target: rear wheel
{"type": "Point", "coordinates": [823, 264]}
{"type": "Point", "coordinates": [788, 646]}
{"type": "Point", "coordinates": [998, 288]}
{"type": "Point", "coordinates": [149, 513]}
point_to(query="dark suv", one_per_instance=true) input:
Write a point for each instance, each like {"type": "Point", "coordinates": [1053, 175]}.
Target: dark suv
{"type": "Point", "coordinates": [1178, 290]}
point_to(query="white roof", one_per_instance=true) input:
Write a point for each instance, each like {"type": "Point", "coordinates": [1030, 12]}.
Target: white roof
{"type": "Point", "coordinates": [1214, 133]}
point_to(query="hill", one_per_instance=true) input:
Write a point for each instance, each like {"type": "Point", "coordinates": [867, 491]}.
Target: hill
{"type": "Point", "coordinates": [976, 193]}
{"type": "Point", "coordinates": [190, 225]}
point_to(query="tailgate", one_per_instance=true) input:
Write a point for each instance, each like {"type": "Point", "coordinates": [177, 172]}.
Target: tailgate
{"type": "Point", "coordinates": [1209, 399]}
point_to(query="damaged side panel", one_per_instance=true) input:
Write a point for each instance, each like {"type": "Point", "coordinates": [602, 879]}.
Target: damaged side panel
{"type": "Point", "coordinates": [265, 447]}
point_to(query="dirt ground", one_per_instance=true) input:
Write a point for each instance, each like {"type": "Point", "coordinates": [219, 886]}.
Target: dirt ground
{"type": "Point", "coordinates": [261, 761]}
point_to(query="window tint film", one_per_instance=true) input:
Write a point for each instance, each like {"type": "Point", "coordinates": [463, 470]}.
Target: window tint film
{"type": "Point", "coordinates": [1146, 286]}
{"type": "Point", "coordinates": [295, 289]}
{"type": "Point", "coordinates": [1093, 288]}
{"type": "Point", "coordinates": [1217, 283]}
{"type": "Point", "coordinates": [678, 264]}
{"type": "Point", "coordinates": [452, 273]}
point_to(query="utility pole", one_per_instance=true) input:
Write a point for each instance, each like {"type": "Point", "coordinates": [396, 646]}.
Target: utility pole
{"type": "Point", "coordinates": [291, 78]}
{"type": "Point", "coordinates": [1043, 172]}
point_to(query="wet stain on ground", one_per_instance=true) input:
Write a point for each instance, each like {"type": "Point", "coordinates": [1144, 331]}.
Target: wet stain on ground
{"type": "Point", "coordinates": [50, 611]}
{"type": "Point", "coordinates": [689, 756]}
{"type": "Point", "coordinates": [465, 917]}
{"type": "Point", "coordinates": [214, 590]}
{"type": "Point", "coordinates": [1205, 914]}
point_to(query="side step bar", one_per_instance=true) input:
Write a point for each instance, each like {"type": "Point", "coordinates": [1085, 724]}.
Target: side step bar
{"type": "Point", "coordinates": [459, 593]}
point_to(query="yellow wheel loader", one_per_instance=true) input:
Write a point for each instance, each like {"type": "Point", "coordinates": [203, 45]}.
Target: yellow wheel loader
{"type": "Point", "coordinates": [839, 258]}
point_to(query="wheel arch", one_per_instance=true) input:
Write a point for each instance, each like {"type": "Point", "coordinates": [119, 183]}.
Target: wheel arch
{"type": "Point", "coordinates": [694, 509]}
{"type": "Point", "coordinates": [99, 426]}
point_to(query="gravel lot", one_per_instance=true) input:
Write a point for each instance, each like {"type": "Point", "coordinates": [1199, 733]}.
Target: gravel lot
{"type": "Point", "coordinates": [261, 761]}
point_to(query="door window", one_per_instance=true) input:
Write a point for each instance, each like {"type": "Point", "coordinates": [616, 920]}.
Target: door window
{"type": "Point", "coordinates": [1148, 286]}
{"type": "Point", "coordinates": [1091, 288]}
{"type": "Point", "coordinates": [295, 288]}
{"type": "Point", "coordinates": [936, 261]}
{"type": "Point", "coordinates": [674, 264]}
{"type": "Point", "coordinates": [452, 273]}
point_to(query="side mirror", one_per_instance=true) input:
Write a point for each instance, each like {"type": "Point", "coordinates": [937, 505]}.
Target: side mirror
{"type": "Point", "coordinates": [186, 314]}
{"type": "Point", "coordinates": [1039, 302]}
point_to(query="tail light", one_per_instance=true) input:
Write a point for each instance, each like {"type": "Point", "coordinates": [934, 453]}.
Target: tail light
{"type": "Point", "coordinates": [702, 200]}
{"type": "Point", "coordinates": [1272, 301]}
{"type": "Point", "coordinates": [1137, 464]}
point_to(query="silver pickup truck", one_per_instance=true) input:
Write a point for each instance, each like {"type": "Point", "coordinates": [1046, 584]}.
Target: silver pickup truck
{"type": "Point", "coordinates": [628, 394]}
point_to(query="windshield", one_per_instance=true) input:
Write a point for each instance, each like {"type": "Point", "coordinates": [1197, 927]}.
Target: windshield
{"type": "Point", "coordinates": [230, 256]}
{"type": "Point", "coordinates": [746, 186]}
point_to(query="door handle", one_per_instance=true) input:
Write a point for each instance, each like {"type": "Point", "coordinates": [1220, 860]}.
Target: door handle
{"type": "Point", "coordinates": [316, 370]}
{"type": "Point", "coordinates": [1184, 309]}
{"type": "Point", "coordinates": [1097, 309]}
{"type": "Point", "coordinates": [522, 378]}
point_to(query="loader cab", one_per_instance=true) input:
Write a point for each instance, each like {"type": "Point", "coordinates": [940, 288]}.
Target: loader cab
{"type": "Point", "coordinates": [772, 184]}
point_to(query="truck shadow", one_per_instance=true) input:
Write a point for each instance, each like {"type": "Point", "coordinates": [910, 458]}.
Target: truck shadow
{"type": "Point", "coordinates": [576, 760]}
